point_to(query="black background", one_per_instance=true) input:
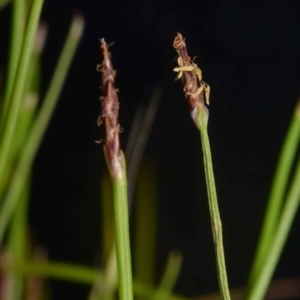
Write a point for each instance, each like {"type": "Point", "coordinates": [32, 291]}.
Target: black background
{"type": "Point", "coordinates": [249, 54]}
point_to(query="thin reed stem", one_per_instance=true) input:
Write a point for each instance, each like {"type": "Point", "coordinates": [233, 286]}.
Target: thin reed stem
{"type": "Point", "coordinates": [213, 204]}
{"type": "Point", "coordinates": [197, 93]}
{"type": "Point", "coordinates": [116, 164]}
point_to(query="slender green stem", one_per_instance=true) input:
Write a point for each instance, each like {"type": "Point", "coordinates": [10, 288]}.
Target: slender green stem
{"type": "Point", "coordinates": [27, 110]}
{"type": "Point", "coordinates": [36, 134]}
{"type": "Point", "coordinates": [57, 270]}
{"type": "Point", "coordinates": [262, 280]}
{"type": "Point", "coordinates": [76, 273]}
{"type": "Point", "coordinates": [202, 120]}
{"type": "Point", "coordinates": [122, 236]}
{"type": "Point", "coordinates": [170, 276]}
{"type": "Point", "coordinates": [196, 93]}
{"type": "Point", "coordinates": [276, 199]}
{"type": "Point", "coordinates": [19, 84]}
{"type": "Point", "coordinates": [17, 32]}
{"type": "Point", "coordinates": [17, 240]}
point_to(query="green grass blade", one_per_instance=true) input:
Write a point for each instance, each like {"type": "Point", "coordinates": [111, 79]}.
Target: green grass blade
{"type": "Point", "coordinates": [18, 234]}
{"type": "Point", "coordinates": [75, 273]}
{"type": "Point", "coordinates": [288, 214]}
{"type": "Point", "coordinates": [28, 107]}
{"type": "Point", "coordinates": [170, 276]}
{"type": "Point", "coordinates": [276, 199]}
{"type": "Point", "coordinates": [57, 270]}
{"type": "Point", "coordinates": [41, 123]}
{"type": "Point", "coordinates": [27, 113]}
{"type": "Point", "coordinates": [19, 84]}
{"type": "Point", "coordinates": [19, 10]}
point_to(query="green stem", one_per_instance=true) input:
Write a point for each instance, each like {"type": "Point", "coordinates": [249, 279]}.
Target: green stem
{"type": "Point", "coordinates": [19, 84]}
{"type": "Point", "coordinates": [17, 32]}
{"type": "Point", "coordinates": [17, 240]}
{"type": "Point", "coordinates": [27, 111]}
{"type": "Point", "coordinates": [170, 276]}
{"type": "Point", "coordinates": [122, 235]}
{"type": "Point", "coordinates": [39, 127]}
{"type": "Point", "coordinates": [57, 270]}
{"type": "Point", "coordinates": [76, 273]}
{"type": "Point", "coordinates": [263, 278]}
{"type": "Point", "coordinates": [201, 122]}
{"type": "Point", "coordinates": [276, 199]}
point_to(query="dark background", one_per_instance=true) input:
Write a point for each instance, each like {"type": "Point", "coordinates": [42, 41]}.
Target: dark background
{"type": "Point", "coordinates": [249, 54]}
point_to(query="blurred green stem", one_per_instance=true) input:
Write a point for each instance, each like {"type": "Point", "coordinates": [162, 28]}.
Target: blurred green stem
{"type": "Point", "coordinates": [18, 86]}
{"type": "Point", "coordinates": [170, 276]}
{"type": "Point", "coordinates": [276, 199]}
{"type": "Point", "coordinates": [263, 279]}
{"type": "Point", "coordinates": [17, 239]}
{"type": "Point", "coordinates": [39, 127]}
{"type": "Point", "coordinates": [28, 107]}
{"type": "Point", "coordinates": [16, 35]}
{"type": "Point", "coordinates": [77, 273]}
{"type": "Point", "coordinates": [279, 215]}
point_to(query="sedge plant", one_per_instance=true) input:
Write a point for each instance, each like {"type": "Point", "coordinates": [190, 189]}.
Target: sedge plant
{"type": "Point", "coordinates": [196, 91]}
{"type": "Point", "coordinates": [22, 127]}
{"type": "Point", "coordinates": [116, 165]}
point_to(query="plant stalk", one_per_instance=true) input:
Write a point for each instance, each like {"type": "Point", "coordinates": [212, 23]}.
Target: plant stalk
{"type": "Point", "coordinates": [122, 238]}
{"type": "Point", "coordinates": [116, 165]}
{"type": "Point", "coordinates": [213, 201]}
{"type": "Point", "coordinates": [196, 94]}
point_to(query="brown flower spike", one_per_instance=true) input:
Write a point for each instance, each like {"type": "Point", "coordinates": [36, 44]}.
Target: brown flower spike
{"type": "Point", "coordinates": [196, 90]}
{"type": "Point", "coordinates": [109, 114]}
